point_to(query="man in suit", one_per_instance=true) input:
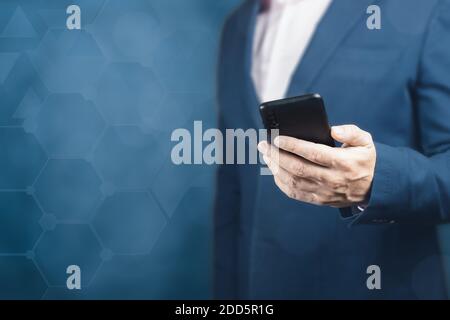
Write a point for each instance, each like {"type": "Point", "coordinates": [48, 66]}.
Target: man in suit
{"type": "Point", "coordinates": [315, 228]}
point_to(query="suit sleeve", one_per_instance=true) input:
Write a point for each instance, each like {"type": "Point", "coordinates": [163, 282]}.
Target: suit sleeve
{"type": "Point", "coordinates": [411, 186]}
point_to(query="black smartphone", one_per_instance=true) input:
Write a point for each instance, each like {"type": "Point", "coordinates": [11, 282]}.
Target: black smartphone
{"type": "Point", "coordinates": [302, 117]}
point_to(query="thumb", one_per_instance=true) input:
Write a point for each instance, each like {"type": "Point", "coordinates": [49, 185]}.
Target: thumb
{"type": "Point", "coordinates": [351, 135]}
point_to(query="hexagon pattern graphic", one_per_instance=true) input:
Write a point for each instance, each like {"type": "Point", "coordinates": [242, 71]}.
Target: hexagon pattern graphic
{"type": "Point", "coordinates": [126, 88]}
{"type": "Point", "coordinates": [20, 279]}
{"type": "Point", "coordinates": [19, 222]}
{"type": "Point", "coordinates": [21, 80]}
{"type": "Point", "coordinates": [137, 157]}
{"type": "Point", "coordinates": [68, 189]}
{"type": "Point", "coordinates": [68, 245]}
{"type": "Point", "coordinates": [172, 249]}
{"type": "Point", "coordinates": [175, 69]}
{"type": "Point", "coordinates": [68, 61]}
{"type": "Point", "coordinates": [17, 32]}
{"type": "Point", "coordinates": [177, 110]}
{"type": "Point", "coordinates": [50, 10]}
{"type": "Point", "coordinates": [68, 125]}
{"type": "Point", "coordinates": [122, 27]}
{"type": "Point", "coordinates": [85, 123]}
{"type": "Point", "coordinates": [134, 213]}
{"type": "Point", "coordinates": [21, 159]}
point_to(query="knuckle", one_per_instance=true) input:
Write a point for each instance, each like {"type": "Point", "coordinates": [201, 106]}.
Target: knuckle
{"type": "Point", "coordinates": [301, 196]}
{"type": "Point", "coordinates": [293, 182]}
{"type": "Point", "coordinates": [320, 179]}
{"type": "Point", "coordinates": [315, 156]}
{"type": "Point", "coordinates": [349, 176]}
{"type": "Point", "coordinates": [346, 164]}
{"type": "Point", "coordinates": [335, 184]}
{"type": "Point", "coordinates": [292, 194]}
{"type": "Point", "coordinates": [334, 160]}
{"type": "Point", "coordinates": [362, 159]}
{"type": "Point", "coordinates": [341, 188]}
{"type": "Point", "coordinates": [299, 169]}
{"type": "Point", "coordinates": [314, 198]}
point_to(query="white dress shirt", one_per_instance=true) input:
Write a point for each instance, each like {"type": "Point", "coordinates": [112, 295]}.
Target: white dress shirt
{"type": "Point", "coordinates": [282, 34]}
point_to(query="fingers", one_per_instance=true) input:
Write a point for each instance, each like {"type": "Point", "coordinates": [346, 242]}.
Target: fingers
{"type": "Point", "coordinates": [306, 191]}
{"type": "Point", "coordinates": [320, 174]}
{"type": "Point", "coordinates": [290, 180]}
{"type": "Point", "coordinates": [314, 152]}
{"type": "Point", "coordinates": [351, 135]}
{"type": "Point", "coordinates": [299, 195]}
{"type": "Point", "coordinates": [293, 187]}
{"type": "Point", "coordinates": [296, 166]}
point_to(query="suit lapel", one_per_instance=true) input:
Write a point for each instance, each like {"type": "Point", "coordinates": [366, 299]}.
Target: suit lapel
{"type": "Point", "coordinates": [340, 18]}
{"type": "Point", "coordinates": [247, 30]}
{"type": "Point", "coordinates": [338, 21]}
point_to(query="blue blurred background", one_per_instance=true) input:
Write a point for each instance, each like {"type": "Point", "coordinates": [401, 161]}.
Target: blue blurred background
{"type": "Point", "coordinates": [85, 171]}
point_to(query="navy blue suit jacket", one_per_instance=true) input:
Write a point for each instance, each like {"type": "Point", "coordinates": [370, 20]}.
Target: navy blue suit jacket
{"type": "Point", "coordinates": [393, 83]}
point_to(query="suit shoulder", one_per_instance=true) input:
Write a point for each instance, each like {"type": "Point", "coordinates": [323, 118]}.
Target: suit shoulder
{"type": "Point", "coordinates": [417, 8]}
{"type": "Point", "coordinates": [409, 5]}
{"type": "Point", "coordinates": [412, 16]}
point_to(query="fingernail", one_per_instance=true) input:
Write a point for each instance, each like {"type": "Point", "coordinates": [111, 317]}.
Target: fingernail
{"type": "Point", "coordinates": [262, 147]}
{"type": "Point", "coordinates": [267, 160]}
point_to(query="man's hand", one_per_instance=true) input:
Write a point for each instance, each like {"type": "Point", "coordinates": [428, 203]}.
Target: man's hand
{"type": "Point", "coordinates": [319, 174]}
